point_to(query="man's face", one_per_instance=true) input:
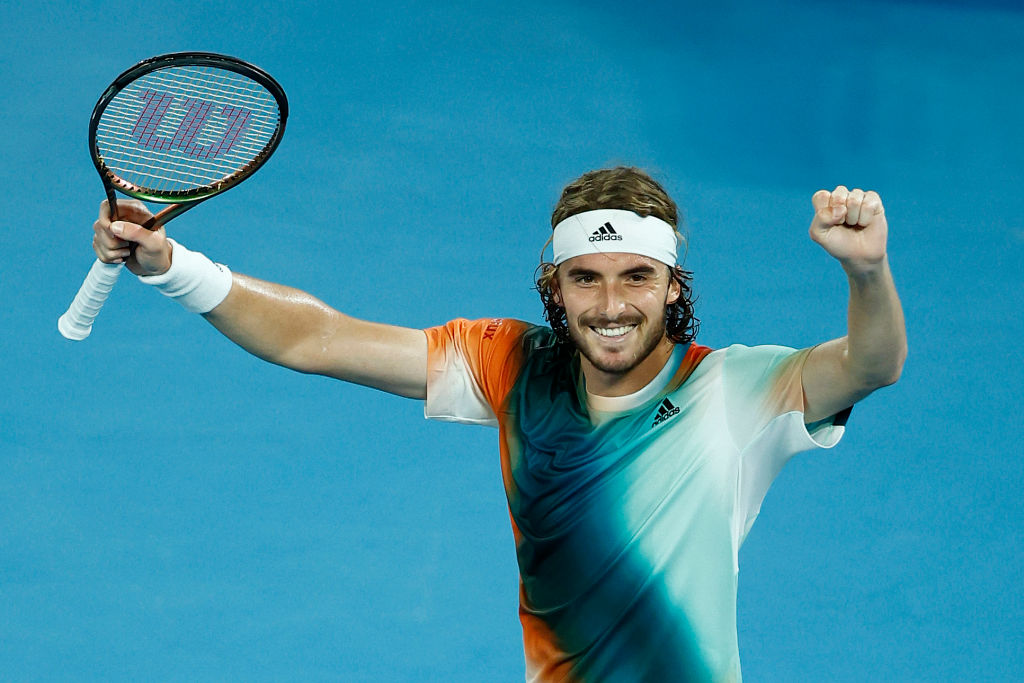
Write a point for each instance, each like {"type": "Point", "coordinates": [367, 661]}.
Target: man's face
{"type": "Point", "coordinates": [615, 307]}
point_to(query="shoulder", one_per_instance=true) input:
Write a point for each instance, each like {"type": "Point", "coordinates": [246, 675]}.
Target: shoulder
{"type": "Point", "coordinates": [491, 345]}
{"type": "Point", "coordinates": [477, 334]}
{"type": "Point", "coordinates": [755, 371]}
{"type": "Point", "coordinates": [759, 359]}
{"type": "Point", "coordinates": [742, 351]}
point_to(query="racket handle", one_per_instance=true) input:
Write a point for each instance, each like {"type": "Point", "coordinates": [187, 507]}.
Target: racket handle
{"type": "Point", "coordinates": [76, 323]}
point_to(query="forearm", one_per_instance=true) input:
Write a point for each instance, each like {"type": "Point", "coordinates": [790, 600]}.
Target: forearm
{"type": "Point", "coordinates": [271, 321]}
{"type": "Point", "coordinates": [294, 329]}
{"type": "Point", "coordinates": [876, 341]}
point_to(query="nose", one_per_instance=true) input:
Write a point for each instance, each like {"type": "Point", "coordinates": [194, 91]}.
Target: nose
{"type": "Point", "coordinates": [613, 301]}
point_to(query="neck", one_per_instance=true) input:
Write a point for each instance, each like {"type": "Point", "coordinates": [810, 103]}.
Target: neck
{"type": "Point", "coordinates": [603, 383]}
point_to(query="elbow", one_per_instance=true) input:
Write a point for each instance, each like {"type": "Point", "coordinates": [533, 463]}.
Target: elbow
{"type": "Point", "coordinates": [890, 373]}
{"type": "Point", "coordinates": [901, 358]}
{"type": "Point", "coordinates": [879, 372]}
{"type": "Point", "coordinates": [890, 379]}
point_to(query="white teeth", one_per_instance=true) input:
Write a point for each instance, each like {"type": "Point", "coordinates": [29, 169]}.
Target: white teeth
{"type": "Point", "coordinates": [613, 331]}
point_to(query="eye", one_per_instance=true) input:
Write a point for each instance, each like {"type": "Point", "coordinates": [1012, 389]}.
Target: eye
{"type": "Point", "coordinates": [584, 279]}
{"type": "Point", "coordinates": [638, 277]}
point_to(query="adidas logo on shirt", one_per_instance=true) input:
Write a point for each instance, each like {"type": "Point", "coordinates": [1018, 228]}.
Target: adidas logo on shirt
{"type": "Point", "coordinates": [665, 411]}
{"type": "Point", "coordinates": [604, 233]}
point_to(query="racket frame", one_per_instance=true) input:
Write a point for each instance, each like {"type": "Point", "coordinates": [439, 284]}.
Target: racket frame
{"type": "Point", "coordinates": [76, 323]}
{"type": "Point", "coordinates": [181, 201]}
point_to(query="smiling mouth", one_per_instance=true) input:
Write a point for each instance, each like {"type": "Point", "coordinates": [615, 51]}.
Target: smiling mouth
{"type": "Point", "coordinates": [613, 332]}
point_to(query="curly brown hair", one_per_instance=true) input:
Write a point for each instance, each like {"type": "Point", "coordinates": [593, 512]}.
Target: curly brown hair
{"type": "Point", "coordinates": [629, 188]}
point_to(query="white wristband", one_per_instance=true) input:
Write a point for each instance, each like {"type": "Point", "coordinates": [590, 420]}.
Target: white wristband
{"type": "Point", "coordinates": [193, 280]}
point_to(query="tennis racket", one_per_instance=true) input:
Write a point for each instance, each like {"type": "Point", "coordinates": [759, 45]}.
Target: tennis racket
{"type": "Point", "coordinates": [176, 129]}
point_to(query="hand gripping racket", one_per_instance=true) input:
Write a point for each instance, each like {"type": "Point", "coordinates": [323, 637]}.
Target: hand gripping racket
{"type": "Point", "coordinates": [176, 129]}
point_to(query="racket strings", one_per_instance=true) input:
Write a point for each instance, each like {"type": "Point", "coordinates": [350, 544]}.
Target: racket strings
{"type": "Point", "coordinates": [183, 129]}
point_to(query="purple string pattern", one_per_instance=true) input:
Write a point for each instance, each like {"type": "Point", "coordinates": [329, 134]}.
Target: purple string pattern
{"type": "Point", "coordinates": [184, 128]}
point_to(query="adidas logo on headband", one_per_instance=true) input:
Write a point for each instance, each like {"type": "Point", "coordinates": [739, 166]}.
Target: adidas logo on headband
{"type": "Point", "coordinates": [591, 232]}
{"type": "Point", "coordinates": [605, 232]}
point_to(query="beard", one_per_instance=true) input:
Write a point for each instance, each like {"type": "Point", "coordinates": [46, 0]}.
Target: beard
{"type": "Point", "coordinates": [650, 335]}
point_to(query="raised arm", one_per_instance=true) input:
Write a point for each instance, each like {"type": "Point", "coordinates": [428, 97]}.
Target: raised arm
{"type": "Point", "coordinates": [851, 226]}
{"type": "Point", "coordinates": [276, 323]}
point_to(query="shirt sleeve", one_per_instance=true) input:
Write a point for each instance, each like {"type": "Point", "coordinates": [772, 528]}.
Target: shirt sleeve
{"type": "Point", "coordinates": [471, 367]}
{"type": "Point", "coordinates": [763, 392]}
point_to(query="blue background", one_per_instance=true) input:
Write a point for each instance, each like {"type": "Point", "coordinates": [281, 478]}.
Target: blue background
{"type": "Point", "coordinates": [173, 509]}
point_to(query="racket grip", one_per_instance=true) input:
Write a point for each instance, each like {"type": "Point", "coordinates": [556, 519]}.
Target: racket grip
{"type": "Point", "coordinates": [76, 323]}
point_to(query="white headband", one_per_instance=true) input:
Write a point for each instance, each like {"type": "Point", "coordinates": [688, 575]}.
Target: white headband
{"type": "Point", "coordinates": [614, 230]}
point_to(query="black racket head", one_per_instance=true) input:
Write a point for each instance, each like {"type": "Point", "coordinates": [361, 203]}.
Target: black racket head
{"type": "Point", "coordinates": [183, 127]}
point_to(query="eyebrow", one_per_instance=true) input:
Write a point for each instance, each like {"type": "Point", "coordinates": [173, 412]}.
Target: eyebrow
{"type": "Point", "coordinates": [577, 271]}
{"type": "Point", "coordinates": [643, 270]}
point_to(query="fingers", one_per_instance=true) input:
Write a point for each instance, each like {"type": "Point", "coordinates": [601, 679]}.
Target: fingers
{"type": "Point", "coordinates": [829, 208]}
{"type": "Point", "coordinates": [871, 208]}
{"type": "Point", "coordinates": [127, 210]}
{"type": "Point", "coordinates": [853, 202]}
{"type": "Point", "coordinates": [109, 247]}
{"type": "Point", "coordinates": [124, 240]}
{"type": "Point", "coordinates": [855, 208]}
{"type": "Point", "coordinates": [838, 204]}
{"type": "Point", "coordinates": [820, 200]}
{"type": "Point", "coordinates": [145, 252]}
{"type": "Point", "coordinates": [147, 240]}
{"type": "Point", "coordinates": [113, 238]}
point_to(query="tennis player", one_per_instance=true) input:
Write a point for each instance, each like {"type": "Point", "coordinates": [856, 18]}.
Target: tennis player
{"type": "Point", "coordinates": [634, 460]}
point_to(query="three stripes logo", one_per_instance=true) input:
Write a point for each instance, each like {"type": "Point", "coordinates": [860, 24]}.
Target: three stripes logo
{"type": "Point", "coordinates": [665, 411]}
{"type": "Point", "coordinates": [605, 233]}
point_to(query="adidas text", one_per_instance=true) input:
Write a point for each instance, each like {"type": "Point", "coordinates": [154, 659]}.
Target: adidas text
{"type": "Point", "coordinates": [601, 238]}
{"type": "Point", "coordinates": [661, 418]}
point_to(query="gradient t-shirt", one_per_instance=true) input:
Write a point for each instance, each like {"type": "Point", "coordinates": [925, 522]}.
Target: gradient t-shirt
{"type": "Point", "coordinates": [627, 522]}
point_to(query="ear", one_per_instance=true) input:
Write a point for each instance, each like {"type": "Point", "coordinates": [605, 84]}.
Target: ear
{"type": "Point", "coordinates": [674, 289]}
{"type": "Point", "coordinates": [556, 291]}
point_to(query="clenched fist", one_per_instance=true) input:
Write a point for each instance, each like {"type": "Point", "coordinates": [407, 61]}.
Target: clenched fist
{"type": "Point", "coordinates": [850, 225]}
